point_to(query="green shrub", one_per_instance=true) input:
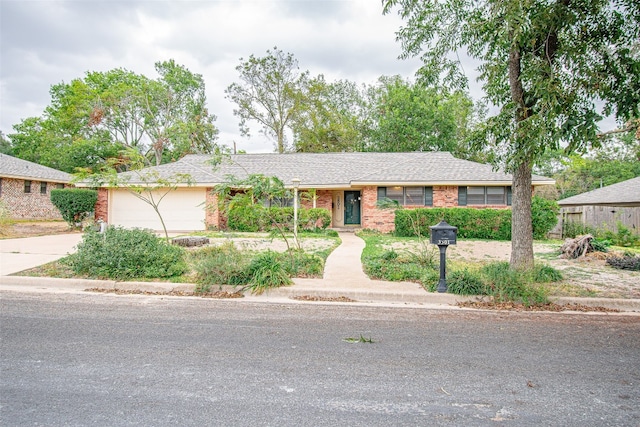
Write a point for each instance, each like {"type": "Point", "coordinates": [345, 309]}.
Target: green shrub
{"type": "Point", "coordinates": [572, 229]}
{"type": "Point", "coordinates": [219, 265]}
{"type": "Point", "coordinates": [505, 284]}
{"type": "Point", "coordinates": [267, 271]}
{"type": "Point", "coordinates": [302, 264]}
{"type": "Point", "coordinates": [122, 254]}
{"type": "Point", "coordinates": [430, 279]}
{"type": "Point", "coordinates": [314, 218]}
{"type": "Point", "coordinates": [600, 245]}
{"type": "Point", "coordinates": [623, 237]}
{"type": "Point", "coordinates": [546, 274]}
{"type": "Point", "coordinates": [74, 204]}
{"type": "Point", "coordinates": [255, 217]}
{"type": "Point", "coordinates": [246, 218]}
{"type": "Point", "coordinates": [494, 224]}
{"type": "Point", "coordinates": [544, 216]}
{"type": "Point", "coordinates": [465, 282]}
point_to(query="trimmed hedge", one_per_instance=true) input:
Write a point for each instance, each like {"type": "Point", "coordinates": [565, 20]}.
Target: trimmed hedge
{"type": "Point", "coordinates": [494, 224]}
{"type": "Point", "coordinates": [258, 218]}
{"type": "Point", "coordinates": [74, 203]}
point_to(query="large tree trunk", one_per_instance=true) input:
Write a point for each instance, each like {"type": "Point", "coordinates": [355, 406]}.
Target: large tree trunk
{"type": "Point", "coordinates": [521, 225]}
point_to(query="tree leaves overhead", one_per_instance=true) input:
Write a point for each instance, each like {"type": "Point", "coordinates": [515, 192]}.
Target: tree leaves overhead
{"type": "Point", "coordinates": [548, 65]}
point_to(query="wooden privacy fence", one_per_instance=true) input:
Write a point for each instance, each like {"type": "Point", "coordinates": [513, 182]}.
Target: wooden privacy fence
{"type": "Point", "coordinates": [601, 217]}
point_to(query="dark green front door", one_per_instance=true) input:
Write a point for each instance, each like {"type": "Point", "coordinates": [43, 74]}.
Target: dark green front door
{"type": "Point", "coordinates": [351, 207]}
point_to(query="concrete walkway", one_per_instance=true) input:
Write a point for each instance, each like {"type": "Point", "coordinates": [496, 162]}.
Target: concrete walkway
{"type": "Point", "coordinates": [21, 254]}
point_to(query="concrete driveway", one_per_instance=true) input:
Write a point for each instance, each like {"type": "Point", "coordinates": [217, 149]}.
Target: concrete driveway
{"type": "Point", "coordinates": [21, 254]}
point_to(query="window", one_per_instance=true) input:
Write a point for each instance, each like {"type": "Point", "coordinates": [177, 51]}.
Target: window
{"type": "Point", "coordinates": [396, 194]}
{"type": "Point", "coordinates": [60, 186]}
{"type": "Point", "coordinates": [43, 188]}
{"type": "Point", "coordinates": [416, 196]}
{"type": "Point", "coordinates": [484, 196]}
{"type": "Point", "coordinates": [27, 186]}
{"type": "Point", "coordinates": [475, 196]}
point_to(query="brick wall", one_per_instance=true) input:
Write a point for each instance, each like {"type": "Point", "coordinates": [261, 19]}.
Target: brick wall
{"type": "Point", "coordinates": [213, 218]}
{"type": "Point", "coordinates": [445, 196]}
{"type": "Point", "coordinates": [102, 205]}
{"type": "Point", "coordinates": [33, 205]}
{"type": "Point", "coordinates": [372, 217]}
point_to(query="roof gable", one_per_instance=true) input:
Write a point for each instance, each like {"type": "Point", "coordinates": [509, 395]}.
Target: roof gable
{"type": "Point", "coordinates": [12, 167]}
{"type": "Point", "coordinates": [620, 194]}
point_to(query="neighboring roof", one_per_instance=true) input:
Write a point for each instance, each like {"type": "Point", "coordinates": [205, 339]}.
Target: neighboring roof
{"type": "Point", "coordinates": [12, 167]}
{"type": "Point", "coordinates": [342, 170]}
{"type": "Point", "coordinates": [625, 193]}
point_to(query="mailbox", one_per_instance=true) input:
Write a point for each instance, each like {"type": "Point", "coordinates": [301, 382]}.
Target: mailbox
{"type": "Point", "coordinates": [443, 235]}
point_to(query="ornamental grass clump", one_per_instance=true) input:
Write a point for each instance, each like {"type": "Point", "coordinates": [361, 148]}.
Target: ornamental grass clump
{"type": "Point", "coordinates": [123, 254]}
{"type": "Point", "coordinates": [267, 271]}
{"type": "Point", "coordinates": [219, 265]}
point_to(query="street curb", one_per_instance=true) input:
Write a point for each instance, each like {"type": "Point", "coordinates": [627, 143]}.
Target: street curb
{"type": "Point", "coordinates": [358, 295]}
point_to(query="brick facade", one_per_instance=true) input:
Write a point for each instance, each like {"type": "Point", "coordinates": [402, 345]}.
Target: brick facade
{"type": "Point", "coordinates": [34, 205]}
{"type": "Point", "coordinates": [213, 219]}
{"type": "Point", "coordinates": [102, 205]}
{"type": "Point", "coordinates": [371, 217]}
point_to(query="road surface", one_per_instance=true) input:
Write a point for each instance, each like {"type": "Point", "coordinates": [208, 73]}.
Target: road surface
{"type": "Point", "coordinates": [92, 359]}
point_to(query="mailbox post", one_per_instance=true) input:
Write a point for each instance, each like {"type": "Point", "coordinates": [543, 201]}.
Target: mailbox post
{"type": "Point", "coordinates": [443, 235]}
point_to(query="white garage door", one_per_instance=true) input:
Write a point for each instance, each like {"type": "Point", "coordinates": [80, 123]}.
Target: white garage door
{"type": "Point", "coordinates": [181, 209]}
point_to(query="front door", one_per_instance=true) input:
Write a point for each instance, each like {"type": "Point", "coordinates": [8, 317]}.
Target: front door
{"type": "Point", "coordinates": [351, 207]}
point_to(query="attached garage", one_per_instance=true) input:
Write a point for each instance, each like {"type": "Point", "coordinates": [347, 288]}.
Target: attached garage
{"type": "Point", "coordinates": [182, 210]}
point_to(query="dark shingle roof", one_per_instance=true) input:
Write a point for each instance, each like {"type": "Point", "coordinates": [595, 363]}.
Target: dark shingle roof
{"type": "Point", "coordinates": [12, 167]}
{"type": "Point", "coordinates": [343, 169]}
{"type": "Point", "coordinates": [621, 194]}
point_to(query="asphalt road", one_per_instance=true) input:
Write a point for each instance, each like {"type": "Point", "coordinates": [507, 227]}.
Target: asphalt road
{"type": "Point", "coordinates": [87, 359]}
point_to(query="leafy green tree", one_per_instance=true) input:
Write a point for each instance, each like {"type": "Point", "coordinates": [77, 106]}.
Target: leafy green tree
{"type": "Point", "coordinates": [330, 117]}
{"type": "Point", "coordinates": [43, 141]}
{"type": "Point", "coordinates": [269, 93]}
{"type": "Point", "coordinates": [543, 63]}
{"type": "Point", "coordinates": [586, 174]}
{"type": "Point", "coordinates": [5, 144]}
{"type": "Point", "coordinates": [411, 117]}
{"type": "Point", "coordinates": [175, 113]}
{"type": "Point", "coordinates": [93, 118]}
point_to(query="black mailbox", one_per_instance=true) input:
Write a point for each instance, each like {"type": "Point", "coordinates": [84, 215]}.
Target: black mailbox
{"type": "Point", "coordinates": [443, 235]}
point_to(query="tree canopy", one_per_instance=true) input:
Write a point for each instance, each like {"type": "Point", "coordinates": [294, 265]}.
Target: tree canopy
{"type": "Point", "coordinates": [269, 93]}
{"type": "Point", "coordinates": [407, 116]}
{"type": "Point", "coordinates": [92, 119]}
{"type": "Point", "coordinates": [545, 64]}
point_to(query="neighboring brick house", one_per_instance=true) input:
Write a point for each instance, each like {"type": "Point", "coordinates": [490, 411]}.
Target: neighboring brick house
{"type": "Point", "coordinates": [348, 185]}
{"type": "Point", "coordinates": [25, 188]}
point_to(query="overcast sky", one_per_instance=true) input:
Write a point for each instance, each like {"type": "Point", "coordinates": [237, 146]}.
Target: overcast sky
{"type": "Point", "coordinates": [45, 42]}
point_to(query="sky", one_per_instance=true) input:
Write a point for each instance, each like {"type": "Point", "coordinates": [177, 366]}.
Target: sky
{"type": "Point", "coordinates": [46, 42]}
